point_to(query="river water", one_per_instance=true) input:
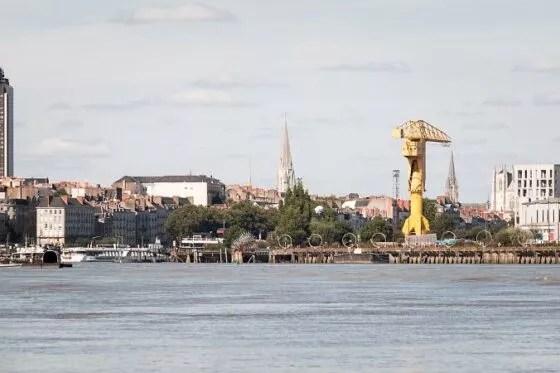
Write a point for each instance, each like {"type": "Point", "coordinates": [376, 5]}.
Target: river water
{"type": "Point", "coordinates": [280, 318]}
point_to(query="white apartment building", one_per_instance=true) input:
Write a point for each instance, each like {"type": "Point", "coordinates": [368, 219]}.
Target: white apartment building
{"type": "Point", "coordinates": [61, 220]}
{"type": "Point", "coordinates": [199, 189]}
{"type": "Point", "coordinates": [542, 216]}
{"type": "Point", "coordinates": [514, 185]}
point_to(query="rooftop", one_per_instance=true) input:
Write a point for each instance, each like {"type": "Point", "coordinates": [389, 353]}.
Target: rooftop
{"type": "Point", "coordinates": [60, 202]}
{"type": "Point", "coordinates": [169, 179]}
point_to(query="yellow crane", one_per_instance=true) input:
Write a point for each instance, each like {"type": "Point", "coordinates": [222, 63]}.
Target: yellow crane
{"type": "Point", "coordinates": [416, 134]}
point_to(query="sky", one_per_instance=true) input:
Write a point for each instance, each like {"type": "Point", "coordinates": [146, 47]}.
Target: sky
{"type": "Point", "coordinates": [131, 87]}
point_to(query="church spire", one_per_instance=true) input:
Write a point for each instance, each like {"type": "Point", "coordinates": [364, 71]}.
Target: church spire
{"type": "Point", "coordinates": [452, 184]}
{"type": "Point", "coordinates": [286, 175]}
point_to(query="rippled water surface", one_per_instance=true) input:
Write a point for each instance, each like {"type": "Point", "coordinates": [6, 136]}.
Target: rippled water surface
{"type": "Point", "coordinates": [280, 318]}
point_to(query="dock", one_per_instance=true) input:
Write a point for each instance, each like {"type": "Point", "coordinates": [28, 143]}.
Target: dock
{"type": "Point", "coordinates": [383, 255]}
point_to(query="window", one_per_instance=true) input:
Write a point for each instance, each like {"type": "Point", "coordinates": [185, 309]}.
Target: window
{"type": "Point", "coordinates": [525, 174]}
{"type": "Point", "coordinates": [519, 174]}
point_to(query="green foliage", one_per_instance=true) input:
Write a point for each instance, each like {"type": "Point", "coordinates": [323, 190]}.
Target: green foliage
{"type": "Point", "coordinates": [506, 237]}
{"type": "Point", "coordinates": [295, 215]}
{"type": "Point", "coordinates": [252, 219]}
{"type": "Point", "coordinates": [60, 192]}
{"type": "Point", "coordinates": [189, 219]}
{"type": "Point", "coordinates": [429, 209]}
{"type": "Point", "coordinates": [377, 225]}
{"type": "Point", "coordinates": [232, 233]}
{"type": "Point", "coordinates": [330, 230]}
{"type": "Point", "coordinates": [441, 224]}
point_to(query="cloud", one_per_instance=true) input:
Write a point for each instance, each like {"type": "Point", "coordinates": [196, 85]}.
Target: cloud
{"type": "Point", "coordinates": [266, 133]}
{"type": "Point", "coordinates": [472, 142]}
{"type": "Point", "coordinates": [372, 67]}
{"type": "Point", "coordinates": [60, 106]}
{"type": "Point", "coordinates": [233, 81]}
{"type": "Point", "coordinates": [59, 147]}
{"type": "Point", "coordinates": [536, 69]}
{"type": "Point", "coordinates": [464, 114]}
{"type": "Point", "coordinates": [502, 102]}
{"type": "Point", "coordinates": [132, 105]}
{"type": "Point", "coordinates": [181, 99]}
{"type": "Point", "coordinates": [207, 98]}
{"type": "Point", "coordinates": [195, 12]}
{"type": "Point", "coordinates": [70, 124]}
{"type": "Point", "coordinates": [547, 99]}
{"type": "Point", "coordinates": [500, 126]}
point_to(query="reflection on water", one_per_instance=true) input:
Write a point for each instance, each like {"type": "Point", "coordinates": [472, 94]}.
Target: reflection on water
{"type": "Point", "coordinates": [280, 318]}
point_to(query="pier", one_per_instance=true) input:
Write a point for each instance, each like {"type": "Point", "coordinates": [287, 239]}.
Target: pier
{"type": "Point", "coordinates": [385, 255]}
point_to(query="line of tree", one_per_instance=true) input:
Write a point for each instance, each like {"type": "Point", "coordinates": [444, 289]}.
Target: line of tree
{"type": "Point", "coordinates": [296, 216]}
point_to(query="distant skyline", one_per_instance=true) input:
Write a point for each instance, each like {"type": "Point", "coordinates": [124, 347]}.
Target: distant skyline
{"type": "Point", "coordinates": [106, 88]}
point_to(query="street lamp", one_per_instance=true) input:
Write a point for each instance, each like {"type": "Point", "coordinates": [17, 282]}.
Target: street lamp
{"type": "Point", "coordinates": [93, 239]}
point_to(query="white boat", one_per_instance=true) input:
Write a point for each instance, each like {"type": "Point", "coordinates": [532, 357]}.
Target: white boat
{"type": "Point", "coordinates": [10, 265]}
{"type": "Point", "coordinates": [110, 254]}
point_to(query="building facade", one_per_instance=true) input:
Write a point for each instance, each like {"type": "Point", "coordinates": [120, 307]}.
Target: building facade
{"type": "Point", "coordinates": [20, 222]}
{"type": "Point", "coordinates": [200, 190]}
{"type": "Point", "coordinates": [514, 185]}
{"type": "Point", "coordinates": [542, 217]}
{"type": "Point", "coordinates": [63, 220]}
{"type": "Point", "coordinates": [6, 126]}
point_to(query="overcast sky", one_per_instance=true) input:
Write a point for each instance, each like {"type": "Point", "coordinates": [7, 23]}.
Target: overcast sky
{"type": "Point", "coordinates": [106, 88]}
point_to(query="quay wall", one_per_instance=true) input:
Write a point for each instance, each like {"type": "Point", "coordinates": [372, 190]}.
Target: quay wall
{"type": "Point", "coordinates": [395, 255]}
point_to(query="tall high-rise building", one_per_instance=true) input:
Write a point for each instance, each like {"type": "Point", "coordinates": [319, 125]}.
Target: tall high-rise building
{"type": "Point", "coordinates": [452, 184]}
{"type": "Point", "coordinates": [286, 175]}
{"type": "Point", "coordinates": [6, 126]}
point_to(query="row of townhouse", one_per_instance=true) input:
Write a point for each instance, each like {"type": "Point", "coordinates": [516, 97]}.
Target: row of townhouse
{"type": "Point", "coordinates": [64, 220]}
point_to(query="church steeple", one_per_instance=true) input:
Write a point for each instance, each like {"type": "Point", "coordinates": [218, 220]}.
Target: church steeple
{"type": "Point", "coordinates": [286, 175]}
{"type": "Point", "coordinates": [452, 184]}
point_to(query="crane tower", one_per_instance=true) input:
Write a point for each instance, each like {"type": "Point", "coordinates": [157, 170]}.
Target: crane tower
{"type": "Point", "coordinates": [416, 134]}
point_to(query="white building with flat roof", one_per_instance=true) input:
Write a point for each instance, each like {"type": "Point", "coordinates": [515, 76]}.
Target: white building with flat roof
{"type": "Point", "coordinates": [542, 217]}
{"type": "Point", "coordinates": [514, 185]}
{"type": "Point", "coordinates": [199, 189]}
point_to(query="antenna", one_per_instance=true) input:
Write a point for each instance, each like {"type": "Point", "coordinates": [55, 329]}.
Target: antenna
{"type": "Point", "coordinates": [396, 183]}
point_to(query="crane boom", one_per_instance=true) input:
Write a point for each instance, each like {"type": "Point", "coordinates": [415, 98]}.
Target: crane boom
{"type": "Point", "coordinates": [416, 133]}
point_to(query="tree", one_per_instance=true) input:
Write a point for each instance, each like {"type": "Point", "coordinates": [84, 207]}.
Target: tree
{"type": "Point", "coordinates": [185, 221]}
{"type": "Point", "coordinates": [377, 225]}
{"type": "Point", "coordinates": [253, 219]}
{"type": "Point", "coordinates": [429, 209]}
{"type": "Point", "coordinates": [331, 231]}
{"type": "Point", "coordinates": [295, 214]}
{"type": "Point", "coordinates": [441, 224]}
